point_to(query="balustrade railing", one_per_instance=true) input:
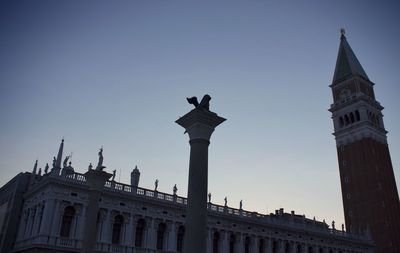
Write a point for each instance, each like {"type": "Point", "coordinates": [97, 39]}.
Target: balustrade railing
{"type": "Point", "coordinates": [297, 222]}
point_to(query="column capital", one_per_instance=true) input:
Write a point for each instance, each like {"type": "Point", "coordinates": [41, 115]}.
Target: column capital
{"type": "Point", "coordinates": [200, 124]}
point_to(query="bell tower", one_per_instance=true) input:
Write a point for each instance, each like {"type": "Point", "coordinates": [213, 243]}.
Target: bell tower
{"type": "Point", "coordinates": [369, 192]}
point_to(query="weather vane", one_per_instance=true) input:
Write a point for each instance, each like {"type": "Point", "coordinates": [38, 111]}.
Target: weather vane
{"type": "Point", "coordinates": [342, 31]}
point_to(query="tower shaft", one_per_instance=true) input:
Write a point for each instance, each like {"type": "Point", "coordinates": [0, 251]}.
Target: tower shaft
{"type": "Point", "coordinates": [370, 198]}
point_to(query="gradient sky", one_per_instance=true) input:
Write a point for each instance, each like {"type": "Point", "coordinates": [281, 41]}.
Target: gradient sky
{"type": "Point", "coordinates": [116, 74]}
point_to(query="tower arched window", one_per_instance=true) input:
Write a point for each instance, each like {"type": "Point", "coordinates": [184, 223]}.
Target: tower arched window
{"type": "Point", "coordinates": [357, 115]}
{"type": "Point", "coordinates": [66, 222]}
{"type": "Point", "coordinates": [179, 241]}
{"type": "Point", "coordinates": [310, 249]}
{"type": "Point", "coordinates": [215, 242]}
{"type": "Point", "coordinates": [117, 229]}
{"type": "Point", "coordinates": [341, 122]}
{"type": "Point", "coordinates": [346, 120]}
{"type": "Point", "coordinates": [162, 227]}
{"type": "Point", "coordinates": [140, 226]}
{"type": "Point", "coordinates": [352, 118]}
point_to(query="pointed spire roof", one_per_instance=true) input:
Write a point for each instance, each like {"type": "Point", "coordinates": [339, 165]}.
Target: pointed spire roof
{"type": "Point", "coordinates": [347, 63]}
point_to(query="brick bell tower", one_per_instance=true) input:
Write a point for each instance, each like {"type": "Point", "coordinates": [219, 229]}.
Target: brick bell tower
{"type": "Point", "coordinates": [370, 198]}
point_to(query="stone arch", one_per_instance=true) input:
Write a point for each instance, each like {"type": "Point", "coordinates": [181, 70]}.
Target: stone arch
{"type": "Point", "coordinates": [117, 229]}
{"type": "Point", "coordinates": [161, 231]}
{"type": "Point", "coordinates": [66, 222]}
{"type": "Point", "coordinates": [179, 238]}
{"type": "Point", "coordinates": [140, 231]}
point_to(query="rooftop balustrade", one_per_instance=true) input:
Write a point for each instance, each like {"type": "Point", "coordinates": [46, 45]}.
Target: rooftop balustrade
{"type": "Point", "coordinates": [279, 219]}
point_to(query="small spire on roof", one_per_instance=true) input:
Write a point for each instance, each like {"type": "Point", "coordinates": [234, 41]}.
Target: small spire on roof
{"type": "Point", "coordinates": [342, 31]}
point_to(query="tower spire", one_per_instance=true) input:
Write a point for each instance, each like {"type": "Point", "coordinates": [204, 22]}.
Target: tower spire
{"type": "Point", "coordinates": [347, 64]}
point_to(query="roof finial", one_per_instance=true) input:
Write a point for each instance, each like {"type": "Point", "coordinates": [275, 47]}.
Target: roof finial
{"type": "Point", "coordinates": [342, 32]}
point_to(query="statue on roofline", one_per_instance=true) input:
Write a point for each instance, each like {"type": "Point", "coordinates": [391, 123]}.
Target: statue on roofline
{"type": "Point", "coordinates": [100, 163]}
{"type": "Point", "coordinates": [65, 161]}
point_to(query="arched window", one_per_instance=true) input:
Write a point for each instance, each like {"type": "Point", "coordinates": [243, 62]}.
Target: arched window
{"type": "Point", "coordinates": [179, 241]}
{"type": "Point", "coordinates": [160, 235]}
{"type": "Point", "coordinates": [215, 242]}
{"type": "Point", "coordinates": [299, 248]}
{"type": "Point", "coordinates": [66, 223]}
{"type": "Point", "coordinates": [117, 229]}
{"type": "Point", "coordinates": [247, 245]}
{"type": "Point", "coordinates": [341, 123]}
{"type": "Point", "coordinates": [274, 246]}
{"type": "Point", "coordinates": [287, 247]}
{"type": "Point", "coordinates": [232, 244]}
{"type": "Point", "coordinates": [141, 224]}
{"type": "Point", "coordinates": [351, 117]}
{"type": "Point", "coordinates": [346, 120]}
{"type": "Point", "coordinates": [261, 246]}
{"type": "Point", "coordinates": [357, 115]}
{"type": "Point", "coordinates": [310, 249]}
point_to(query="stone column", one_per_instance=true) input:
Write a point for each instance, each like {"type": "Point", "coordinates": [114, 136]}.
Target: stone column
{"type": "Point", "coordinates": [239, 243]}
{"type": "Point", "coordinates": [224, 242]}
{"type": "Point", "coordinates": [270, 244]}
{"type": "Point", "coordinates": [96, 180]}
{"type": "Point", "coordinates": [56, 220]}
{"type": "Point", "coordinates": [48, 209]}
{"type": "Point", "coordinates": [209, 240]}
{"type": "Point", "coordinates": [254, 248]}
{"type": "Point", "coordinates": [36, 220]}
{"type": "Point", "coordinates": [151, 235]}
{"type": "Point", "coordinates": [23, 222]}
{"type": "Point", "coordinates": [128, 241]}
{"type": "Point", "coordinates": [281, 246]}
{"type": "Point", "coordinates": [81, 221]}
{"type": "Point", "coordinates": [107, 228]}
{"type": "Point", "coordinates": [172, 238]}
{"type": "Point", "coordinates": [199, 124]}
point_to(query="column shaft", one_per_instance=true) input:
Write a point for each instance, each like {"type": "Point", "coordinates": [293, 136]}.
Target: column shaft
{"type": "Point", "coordinates": [196, 219]}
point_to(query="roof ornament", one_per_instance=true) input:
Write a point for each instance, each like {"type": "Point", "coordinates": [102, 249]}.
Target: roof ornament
{"type": "Point", "coordinates": [342, 33]}
{"type": "Point", "coordinates": [46, 169]}
{"type": "Point", "coordinates": [35, 167]}
{"type": "Point", "coordinates": [100, 163]}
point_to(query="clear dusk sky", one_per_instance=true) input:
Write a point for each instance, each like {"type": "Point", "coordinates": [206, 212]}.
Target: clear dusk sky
{"type": "Point", "coordinates": [116, 74]}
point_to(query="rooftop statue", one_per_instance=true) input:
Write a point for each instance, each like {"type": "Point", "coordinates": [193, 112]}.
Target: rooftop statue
{"type": "Point", "coordinates": [65, 161]}
{"type": "Point", "coordinates": [204, 104]}
{"type": "Point", "coordinates": [113, 176]}
{"type": "Point", "coordinates": [46, 169]}
{"type": "Point", "coordinates": [100, 164]}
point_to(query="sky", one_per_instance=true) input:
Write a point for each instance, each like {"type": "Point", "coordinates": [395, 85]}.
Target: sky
{"type": "Point", "coordinates": [116, 74]}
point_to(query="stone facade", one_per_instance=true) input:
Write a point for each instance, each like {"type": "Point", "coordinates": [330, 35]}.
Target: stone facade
{"type": "Point", "coordinates": [134, 219]}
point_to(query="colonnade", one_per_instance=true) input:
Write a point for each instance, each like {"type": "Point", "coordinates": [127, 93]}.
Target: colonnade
{"type": "Point", "coordinates": [152, 233]}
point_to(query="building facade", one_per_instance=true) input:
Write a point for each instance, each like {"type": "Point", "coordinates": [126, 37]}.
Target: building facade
{"type": "Point", "coordinates": [134, 219]}
{"type": "Point", "coordinates": [369, 192]}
